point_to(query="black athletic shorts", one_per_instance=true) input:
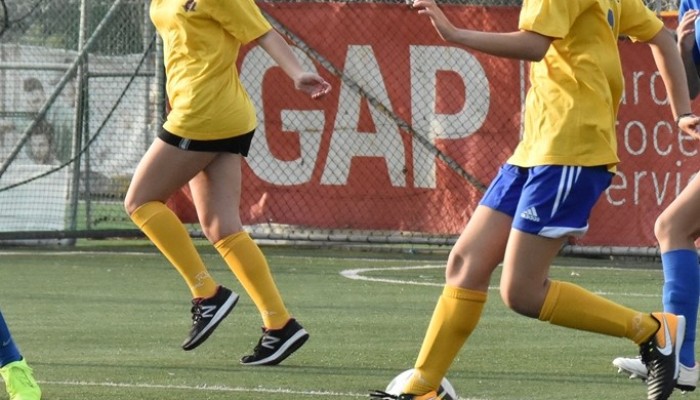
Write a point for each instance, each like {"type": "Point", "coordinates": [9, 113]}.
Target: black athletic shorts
{"type": "Point", "coordinates": [236, 145]}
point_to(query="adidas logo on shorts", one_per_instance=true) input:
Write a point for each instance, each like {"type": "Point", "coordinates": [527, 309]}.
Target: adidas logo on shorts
{"type": "Point", "coordinates": [530, 214]}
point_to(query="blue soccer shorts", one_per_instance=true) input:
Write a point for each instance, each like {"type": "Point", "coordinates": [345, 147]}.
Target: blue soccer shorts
{"type": "Point", "coordinates": [550, 200]}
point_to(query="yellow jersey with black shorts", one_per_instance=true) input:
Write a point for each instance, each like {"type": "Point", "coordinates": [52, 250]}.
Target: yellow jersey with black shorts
{"type": "Point", "coordinates": [201, 41]}
{"type": "Point", "coordinates": [572, 104]}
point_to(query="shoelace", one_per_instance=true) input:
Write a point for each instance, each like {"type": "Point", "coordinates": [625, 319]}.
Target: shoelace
{"type": "Point", "coordinates": [196, 310]}
{"type": "Point", "coordinates": [258, 346]}
{"type": "Point", "coordinates": [646, 352]}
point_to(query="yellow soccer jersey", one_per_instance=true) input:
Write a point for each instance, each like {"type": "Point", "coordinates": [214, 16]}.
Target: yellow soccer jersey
{"type": "Point", "coordinates": [571, 107]}
{"type": "Point", "coordinates": [201, 40]}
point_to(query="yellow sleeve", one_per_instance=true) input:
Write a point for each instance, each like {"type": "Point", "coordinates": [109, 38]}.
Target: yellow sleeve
{"type": "Point", "coordinates": [551, 18]}
{"type": "Point", "coordinates": [241, 18]}
{"type": "Point", "coordinates": [638, 22]}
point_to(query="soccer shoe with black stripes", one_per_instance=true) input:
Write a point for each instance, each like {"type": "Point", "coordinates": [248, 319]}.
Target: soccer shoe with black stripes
{"type": "Point", "coordinates": [660, 355]}
{"type": "Point", "coordinates": [635, 368]}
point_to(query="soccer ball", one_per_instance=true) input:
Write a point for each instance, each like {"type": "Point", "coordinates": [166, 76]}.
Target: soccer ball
{"type": "Point", "coordinates": [395, 387]}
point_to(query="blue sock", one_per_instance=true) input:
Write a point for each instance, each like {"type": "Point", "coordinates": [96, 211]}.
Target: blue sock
{"type": "Point", "coordinates": [681, 295]}
{"type": "Point", "coordinates": [8, 350]}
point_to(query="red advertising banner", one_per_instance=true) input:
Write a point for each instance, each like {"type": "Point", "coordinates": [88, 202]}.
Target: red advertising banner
{"type": "Point", "coordinates": [415, 128]}
{"type": "Point", "coordinates": [656, 158]}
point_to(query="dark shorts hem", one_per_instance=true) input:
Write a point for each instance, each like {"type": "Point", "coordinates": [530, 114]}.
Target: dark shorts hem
{"type": "Point", "coordinates": [236, 145]}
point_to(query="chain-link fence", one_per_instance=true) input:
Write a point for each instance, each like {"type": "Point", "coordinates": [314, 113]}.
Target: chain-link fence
{"type": "Point", "coordinates": [79, 105]}
{"type": "Point", "coordinates": [400, 153]}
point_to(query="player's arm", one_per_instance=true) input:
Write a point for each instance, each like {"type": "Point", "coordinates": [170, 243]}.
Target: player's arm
{"type": "Point", "coordinates": [670, 66]}
{"type": "Point", "coordinates": [685, 34]}
{"type": "Point", "coordinates": [522, 45]}
{"type": "Point", "coordinates": [275, 45]}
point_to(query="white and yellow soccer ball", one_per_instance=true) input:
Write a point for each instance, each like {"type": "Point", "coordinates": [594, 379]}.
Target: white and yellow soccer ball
{"type": "Point", "coordinates": [395, 387]}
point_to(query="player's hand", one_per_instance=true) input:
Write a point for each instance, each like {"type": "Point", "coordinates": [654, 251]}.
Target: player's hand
{"type": "Point", "coordinates": [690, 125]}
{"type": "Point", "coordinates": [313, 85]}
{"type": "Point", "coordinates": [686, 31]}
{"type": "Point", "coordinates": [443, 25]}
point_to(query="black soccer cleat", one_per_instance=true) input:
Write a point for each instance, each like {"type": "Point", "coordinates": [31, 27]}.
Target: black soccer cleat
{"type": "Point", "coordinates": [207, 314]}
{"type": "Point", "coordinates": [276, 345]}
{"type": "Point", "coordinates": [660, 355]}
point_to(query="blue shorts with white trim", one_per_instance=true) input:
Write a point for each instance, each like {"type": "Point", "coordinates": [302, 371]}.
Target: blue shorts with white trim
{"type": "Point", "coordinates": [549, 200]}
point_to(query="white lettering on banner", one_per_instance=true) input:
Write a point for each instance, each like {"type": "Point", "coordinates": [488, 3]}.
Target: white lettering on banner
{"type": "Point", "coordinates": [665, 186]}
{"type": "Point", "coordinates": [346, 143]}
{"type": "Point", "coordinates": [636, 139]}
{"type": "Point", "coordinates": [662, 127]}
{"type": "Point", "coordinates": [426, 61]}
{"type": "Point", "coordinates": [654, 138]}
{"type": "Point", "coordinates": [657, 85]}
{"type": "Point", "coordinates": [628, 137]}
{"type": "Point", "coordinates": [657, 90]}
{"type": "Point", "coordinates": [633, 87]}
{"type": "Point", "coordinates": [307, 124]}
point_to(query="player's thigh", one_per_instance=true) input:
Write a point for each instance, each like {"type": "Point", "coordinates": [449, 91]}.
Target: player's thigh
{"type": "Point", "coordinates": [555, 203]}
{"type": "Point", "coordinates": [479, 249]}
{"type": "Point", "coordinates": [216, 193]}
{"type": "Point", "coordinates": [679, 224]}
{"type": "Point", "coordinates": [163, 170]}
{"type": "Point", "coordinates": [526, 265]}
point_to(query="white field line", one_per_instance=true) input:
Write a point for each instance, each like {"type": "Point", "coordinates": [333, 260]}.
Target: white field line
{"type": "Point", "coordinates": [211, 388]}
{"type": "Point", "coordinates": [202, 388]}
{"type": "Point", "coordinates": [357, 274]}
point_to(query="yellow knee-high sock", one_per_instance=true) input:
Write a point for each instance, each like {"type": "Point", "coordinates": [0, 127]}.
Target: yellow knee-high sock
{"type": "Point", "coordinates": [166, 231]}
{"type": "Point", "coordinates": [454, 318]}
{"type": "Point", "coordinates": [572, 306]}
{"type": "Point", "coordinates": [249, 265]}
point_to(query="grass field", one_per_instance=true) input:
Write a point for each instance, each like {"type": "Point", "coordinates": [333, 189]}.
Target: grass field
{"type": "Point", "coordinates": [106, 321]}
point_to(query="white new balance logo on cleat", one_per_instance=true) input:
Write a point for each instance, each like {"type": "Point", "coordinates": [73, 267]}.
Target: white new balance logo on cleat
{"type": "Point", "coordinates": [208, 311]}
{"type": "Point", "coordinates": [269, 342]}
{"type": "Point", "coordinates": [530, 214]}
